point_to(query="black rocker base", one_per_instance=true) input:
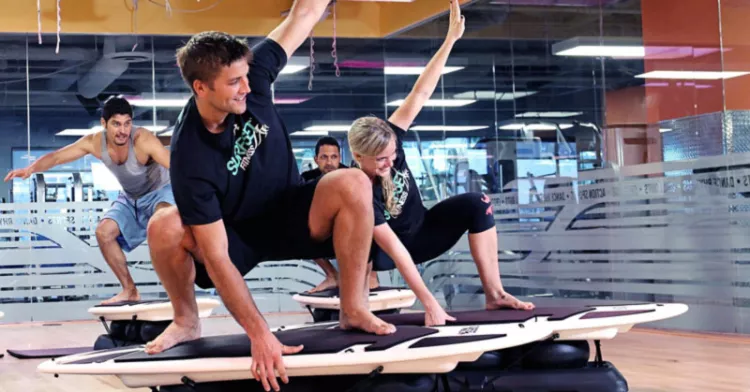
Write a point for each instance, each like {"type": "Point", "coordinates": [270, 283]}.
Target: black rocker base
{"type": "Point", "coordinates": [546, 366]}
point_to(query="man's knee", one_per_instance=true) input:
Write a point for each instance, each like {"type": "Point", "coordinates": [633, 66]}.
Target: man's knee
{"type": "Point", "coordinates": [354, 186]}
{"type": "Point", "coordinates": [165, 228]}
{"type": "Point", "coordinates": [107, 231]}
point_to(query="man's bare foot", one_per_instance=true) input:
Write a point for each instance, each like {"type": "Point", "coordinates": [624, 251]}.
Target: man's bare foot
{"type": "Point", "coordinates": [173, 335]}
{"type": "Point", "coordinates": [505, 300]}
{"type": "Point", "coordinates": [328, 283]}
{"type": "Point", "coordinates": [125, 295]}
{"type": "Point", "coordinates": [374, 283]}
{"type": "Point", "coordinates": [366, 321]}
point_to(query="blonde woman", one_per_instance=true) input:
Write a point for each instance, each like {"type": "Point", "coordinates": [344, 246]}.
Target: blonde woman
{"type": "Point", "coordinates": [405, 232]}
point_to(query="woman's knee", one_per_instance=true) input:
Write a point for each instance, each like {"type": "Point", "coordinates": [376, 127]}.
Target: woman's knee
{"type": "Point", "coordinates": [479, 207]}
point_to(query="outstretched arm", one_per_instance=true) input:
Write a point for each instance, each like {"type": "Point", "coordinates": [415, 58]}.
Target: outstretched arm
{"type": "Point", "coordinates": [151, 145]}
{"type": "Point", "coordinates": [392, 246]}
{"type": "Point", "coordinates": [66, 154]}
{"type": "Point", "coordinates": [404, 116]}
{"type": "Point", "coordinates": [297, 26]}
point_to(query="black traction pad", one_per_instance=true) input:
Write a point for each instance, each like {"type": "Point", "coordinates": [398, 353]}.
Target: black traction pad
{"type": "Point", "coordinates": [48, 352]}
{"type": "Point", "coordinates": [315, 341]}
{"type": "Point", "coordinates": [500, 316]}
{"type": "Point", "coordinates": [334, 292]}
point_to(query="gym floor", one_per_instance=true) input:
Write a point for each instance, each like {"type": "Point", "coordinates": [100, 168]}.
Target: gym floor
{"type": "Point", "coordinates": [651, 360]}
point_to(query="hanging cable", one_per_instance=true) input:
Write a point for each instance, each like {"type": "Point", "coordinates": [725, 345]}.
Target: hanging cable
{"type": "Point", "coordinates": [312, 62]}
{"type": "Point", "coordinates": [334, 52]}
{"type": "Point", "coordinates": [135, 24]}
{"type": "Point", "coordinates": [59, 22]}
{"type": "Point", "coordinates": [39, 20]}
{"type": "Point", "coordinates": [170, 9]}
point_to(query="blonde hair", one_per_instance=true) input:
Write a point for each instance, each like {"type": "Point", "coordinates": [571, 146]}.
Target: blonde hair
{"type": "Point", "coordinates": [369, 136]}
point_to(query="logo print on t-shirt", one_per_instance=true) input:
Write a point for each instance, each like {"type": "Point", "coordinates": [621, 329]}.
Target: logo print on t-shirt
{"type": "Point", "coordinates": [245, 146]}
{"type": "Point", "coordinates": [401, 189]}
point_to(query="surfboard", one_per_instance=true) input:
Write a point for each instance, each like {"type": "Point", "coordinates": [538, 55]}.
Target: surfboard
{"type": "Point", "coordinates": [381, 298]}
{"type": "Point", "coordinates": [149, 310]}
{"type": "Point", "coordinates": [570, 323]}
{"type": "Point", "coordinates": [2, 315]}
{"type": "Point", "coordinates": [328, 350]}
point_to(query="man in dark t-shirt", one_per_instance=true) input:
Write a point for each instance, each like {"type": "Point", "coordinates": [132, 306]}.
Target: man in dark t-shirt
{"type": "Point", "coordinates": [327, 157]}
{"type": "Point", "coordinates": [241, 200]}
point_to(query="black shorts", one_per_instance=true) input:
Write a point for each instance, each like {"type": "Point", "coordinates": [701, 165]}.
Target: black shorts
{"type": "Point", "coordinates": [281, 233]}
{"type": "Point", "coordinates": [442, 227]}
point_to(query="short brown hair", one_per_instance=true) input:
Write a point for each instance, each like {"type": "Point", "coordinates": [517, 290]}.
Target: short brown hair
{"type": "Point", "coordinates": [202, 57]}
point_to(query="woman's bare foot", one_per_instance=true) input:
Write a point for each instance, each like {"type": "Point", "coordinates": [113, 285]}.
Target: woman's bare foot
{"type": "Point", "coordinates": [173, 335]}
{"type": "Point", "coordinates": [328, 283]}
{"type": "Point", "coordinates": [505, 300]}
{"type": "Point", "coordinates": [125, 295]}
{"type": "Point", "coordinates": [366, 321]}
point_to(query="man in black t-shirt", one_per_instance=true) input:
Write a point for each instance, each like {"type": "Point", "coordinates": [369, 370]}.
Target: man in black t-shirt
{"type": "Point", "coordinates": [241, 200]}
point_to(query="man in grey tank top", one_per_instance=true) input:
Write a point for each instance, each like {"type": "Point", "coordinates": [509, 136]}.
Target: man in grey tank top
{"type": "Point", "coordinates": [140, 162]}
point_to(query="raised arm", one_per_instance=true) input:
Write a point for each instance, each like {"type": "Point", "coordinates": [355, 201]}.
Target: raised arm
{"type": "Point", "coordinates": [297, 26]}
{"type": "Point", "coordinates": [150, 144]}
{"type": "Point", "coordinates": [69, 153]}
{"type": "Point", "coordinates": [406, 113]}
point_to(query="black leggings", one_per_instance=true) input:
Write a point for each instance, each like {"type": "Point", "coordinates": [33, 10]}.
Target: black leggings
{"type": "Point", "coordinates": [442, 227]}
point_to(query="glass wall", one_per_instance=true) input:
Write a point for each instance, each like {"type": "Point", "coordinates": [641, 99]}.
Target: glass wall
{"type": "Point", "coordinates": [610, 137]}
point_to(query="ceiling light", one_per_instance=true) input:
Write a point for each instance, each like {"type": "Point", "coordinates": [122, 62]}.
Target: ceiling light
{"type": "Point", "coordinates": [438, 102]}
{"type": "Point", "coordinates": [329, 128]}
{"type": "Point", "coordinates": [533, 127]}
{"type": "Point", "coordinates": [489, 95]}
{"type": "Point", "coordinates": [391, 70]}
{"type": "Point", "coordinates": [627, 47]}
{"type": "Point", "coordinates": [99, 128]}
{"type": "Point", "coordinates": [457, 128]}
{"type": "Point", "coordinates": [691, 75]}
{"type": "Point", "coordinates": [290, 69]}
{"type": "Point", "coordinates": [310, 133]}
{"type": "Point", "coordinates": [549, 114]}
{"type": "Point", "coordinates": [181, 102]}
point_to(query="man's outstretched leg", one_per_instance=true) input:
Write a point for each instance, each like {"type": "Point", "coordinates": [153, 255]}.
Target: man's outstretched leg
{"type": "Point", "coordinates": [331, 278]}
{"type": "Point", "coordinates": [346, 212]}
{"type": "Point", "coordinates": [171, 246]}
{"type": "Point", "coordinates": [106, 235]}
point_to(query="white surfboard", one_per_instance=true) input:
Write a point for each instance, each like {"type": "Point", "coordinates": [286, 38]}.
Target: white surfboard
{"type": "Point", "coordinates": [330, 351]}
{"type": "Point", "coordinates": [570, 323]}
{"type": "Point", "coordinates": [605, 322]}
{"type": "Point", "coordinates": [2, 315]}
{"type": "Point", "coordinates": [381, 298]}
{"type": "Point", "coordinates": [158, 310]}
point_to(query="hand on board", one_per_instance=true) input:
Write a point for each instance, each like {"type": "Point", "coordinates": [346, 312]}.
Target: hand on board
{"type": "Point", "coordinates": [267, 353]}
{"type": "Point", "coordinates": [457, 22]}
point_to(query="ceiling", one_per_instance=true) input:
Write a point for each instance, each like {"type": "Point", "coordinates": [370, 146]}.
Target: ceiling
{"type": "Point", "coordinates": [506, 48]}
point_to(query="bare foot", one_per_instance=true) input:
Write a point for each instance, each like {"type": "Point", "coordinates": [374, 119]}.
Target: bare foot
{"type": "Point", "coordinates": [505, 300]}
{"type": "Point", "coordinates": [173, 335]}
{"type": "Point", "coordinates": [366, 321]}
{"type": "Point", "coordinates": [328, 283]}
{"type": "Point", "coordinates": [125, 295]}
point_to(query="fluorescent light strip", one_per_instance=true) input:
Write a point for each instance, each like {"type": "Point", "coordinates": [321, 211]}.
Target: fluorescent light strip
{"type": "Point", "coordinates": [549, 114]}
{"type": "Point", "coordinates": [489, 95]}
{"type": "Point", "coordinates": [533, 127]}
{"type": "Point", "coordinates": [438, 102]}
{"type": "Point", "coordinates": [310, 133]}
{"type": "Point", "coordinates": [84, 132]}
{"type": "Point", "coordinates": [329, 128]}
{"type": "Point", "coordinates": [290, 69]}
{"type": "Point", "coordinates": [691, 75]}
{"type": "Point", "coordinates": [449, 128]}
{"type": "Point", "coordinates": [180, 102]}
{"type": "Point", "coordinates": [390, 70]}
{"type": "Point", "coordinates": [604, 51]}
